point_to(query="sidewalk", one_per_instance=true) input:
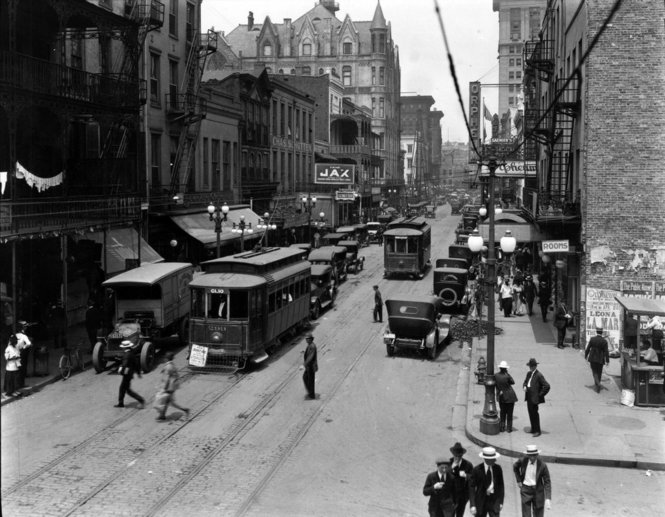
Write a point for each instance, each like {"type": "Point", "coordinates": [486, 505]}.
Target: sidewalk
{"type": "Point", "coordinates": [579, 426]}
{"type": "Point", "coordinates": [34, 383]}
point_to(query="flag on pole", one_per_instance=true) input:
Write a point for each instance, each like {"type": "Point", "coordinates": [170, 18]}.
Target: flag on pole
{"type": "Point", "coordinates": [486, 112]}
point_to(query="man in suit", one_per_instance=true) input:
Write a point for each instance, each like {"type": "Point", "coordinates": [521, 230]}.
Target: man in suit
{"type": "Point", "coordinates": [378, 305]}
{"type": "Point", "coordinates": [440, 487]}
{"type": "Point", "coordinates": [561, 319]}
{"type": "Point", "coordinates": [533, 478]}
{"type": "Point", "coordinates": [535, 388]}
{"type": "Point", "coordinates": [598, 354]}
{"type": "Point", "coordinates": [486, 488]}
{"type": "Point", "coordinates": [461, 469]}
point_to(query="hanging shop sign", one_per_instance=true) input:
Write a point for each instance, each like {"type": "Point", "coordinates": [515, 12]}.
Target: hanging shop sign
{"type": "Point", "coordinates": [512, 170]}
{"type": "Point", "coordinates": [556, 246]}
{"type": "Point", "coordinates": [345, 195]}
{"type": "Point", "coordinates": [332, 174]}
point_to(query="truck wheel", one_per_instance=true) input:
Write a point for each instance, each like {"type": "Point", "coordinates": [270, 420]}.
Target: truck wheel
{"type": "Point", "coordinates": [147, 356]}
{"type": "Point", "coordinates": [183, 331]}
{"type": "Point", "coordinates": [98, 361]}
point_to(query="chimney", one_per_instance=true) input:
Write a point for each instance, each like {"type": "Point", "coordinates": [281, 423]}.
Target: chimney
{"type": "Point", "coordinates": [250, 21]}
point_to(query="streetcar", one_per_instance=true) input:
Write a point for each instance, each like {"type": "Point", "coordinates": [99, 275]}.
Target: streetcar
{"type": "Point", "coordinates": [407, 245]}
{"type": "Point", "coordinates": [244, 304]}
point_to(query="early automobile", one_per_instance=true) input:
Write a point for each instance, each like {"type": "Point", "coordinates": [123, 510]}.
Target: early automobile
{"type": "Point", "coordinates": [334, 256]}
{"type": "Point", "coordinates": [374, 231]}
{"type": "Point", "coordinates": [323, 289]}
{"type": "Point", "coordinates": [451, 262]}
{"type": "Point", "coordinates": [151, 302]}
{"type": "Point", "coordinates": [354, 262]}
{"type": "Point", "coordinates": [416, 323]}
{"type": "Point", "coordinates": [430, 211]}
{"type": "Point", "coordinates": [331, 239]}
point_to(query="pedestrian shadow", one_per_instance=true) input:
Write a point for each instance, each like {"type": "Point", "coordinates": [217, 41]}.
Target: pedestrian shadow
{"type": "Point", "coordinates": [542, 333]}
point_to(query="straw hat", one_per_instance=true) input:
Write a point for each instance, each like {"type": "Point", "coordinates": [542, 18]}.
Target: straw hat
{"type": "Point", "coordinates": [504, 364]}
{"type": "Point", "coordinates": [489, 453]}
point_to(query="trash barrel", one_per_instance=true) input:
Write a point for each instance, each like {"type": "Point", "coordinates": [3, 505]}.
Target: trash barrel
{"type": "Point", "coordinates": [40, 359]}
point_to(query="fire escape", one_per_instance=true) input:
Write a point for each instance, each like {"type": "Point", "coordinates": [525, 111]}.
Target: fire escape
{"type": "Point", "coordinates": [188, 110]}
{"type": "Point", "coordinates": [149, 16]}
{"type": "Point", "coordinates": [550, 127]}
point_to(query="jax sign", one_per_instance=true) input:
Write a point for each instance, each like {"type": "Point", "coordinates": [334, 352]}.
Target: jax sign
{"type": "Point", "coordinates": [334, 174]}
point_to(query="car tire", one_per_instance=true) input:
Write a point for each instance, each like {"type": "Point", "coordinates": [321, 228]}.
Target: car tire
{"type": "Point", "coordinates": [446, 299]}
{"type": "Point", "coordinates": [98, 361]}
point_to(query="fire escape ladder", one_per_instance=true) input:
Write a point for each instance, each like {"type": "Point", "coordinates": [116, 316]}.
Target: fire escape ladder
{"type": "Point", "coordinates": [191, 109]}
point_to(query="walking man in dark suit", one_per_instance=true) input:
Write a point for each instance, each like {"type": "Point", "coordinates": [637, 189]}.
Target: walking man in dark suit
{"type": "Point", "coordinates": [378, 305]}
{"type": "Point", "coordinates": [127, 369]}
{"type": "Point", "coordinates": [311, 366]}
{"type": "Point", "coordinates": [461, 469]}
{"type": "Point", "coordinates": [598, 354]}
{"type": "Point", "coordinates": [440, 487]}
{"type": "Point", "coordinates": [486, 488]}
{"type": "Point", "coordinates": [535, 388]}
{"type": "Point", "coordinates": [561, 319]}
{"type": "Point", "coordinates": [533, 478]}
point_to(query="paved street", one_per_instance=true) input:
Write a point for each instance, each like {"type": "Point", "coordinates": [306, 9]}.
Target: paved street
{"type": "Point", "coordinates": [254, 446]}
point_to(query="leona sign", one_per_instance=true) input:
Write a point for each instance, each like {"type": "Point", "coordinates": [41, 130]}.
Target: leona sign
{"type": "Point", "coordinates": [555, 246]}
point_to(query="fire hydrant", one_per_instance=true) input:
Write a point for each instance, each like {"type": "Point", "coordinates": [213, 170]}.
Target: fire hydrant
{"type": "Point", "coordinates": [481, 370]}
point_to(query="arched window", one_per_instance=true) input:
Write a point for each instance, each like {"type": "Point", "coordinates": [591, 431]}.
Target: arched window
{"type": "Point", "coordinates": [347, 48]}
{"type": "Point", "coordinates": [267, 49]}
{"type": "Point", "coordinates": [320, 71]}
{"type": "Point", "coordinates": [307, 48]}
{"type": "Point", "coordinates": [281, 71]}
{"type": "Point", "coordinates": [346, 75]}
{"type": "Point", "coordinates": [293, 71]}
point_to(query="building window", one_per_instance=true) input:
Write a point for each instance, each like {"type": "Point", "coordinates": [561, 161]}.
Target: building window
{"type": "Point", "coordinates": [382, 75]}
{"type": "Point", "coordinates": [173, 18]}
{"type": "Point", "coordinates": [155, 159]}
{"type": "Point", "coordinates": [518, 61]}
{"type": "Point", "coordinates": [381, 108]}
{"type": "Point", "coordinates": [511, 100]}
{"type": "Point", "coordinates": [173, 84]}
{"type": "Point", "coordinates": [281, 71]}
{"type": "Point", "coordinates": [373, 75]}
{"type": "Point", "coordinates": [320, 71]}
{"type": "Point", "coordinates": [154, 80]}
{"type": "Point", "coordinates": [307, 49]}
{"type": "Point", "coordinates": [76, 52]}
{"type": "Point", "coordinates": [409, 163]}
{"type": "Point", "coordinates": [511, 49]}
{"type": "Point", "coordinates": [268, 70]}
{"type": "Point", "coordinates": [518, 75]}
{"type": "Point", "coordinates": [511, 62]}
{"type": "Point", "coordinates": [190, 24]}
{"type": "Point", "coordinates": [346, 75]}
{"type": "Point", "coordinates": [511, 75]}
{"type": "Point", "coordinates": [347, 48]}
{"type": "Point", "coordinates": [373, 107]}
{"type": "Point", "coordinates": [214, 164]}
{"type": "Point", "coordinates": [267, 50]}
{"type": "Point", "coordinates": [206, 164]}
{"type": "Point", "coordinates": [306, 70]}
{"type": "Point", "coordinates": [409, 148]}
{"type": "Point", "coordinates": [293, 71]}
{"type": "Point", "coordinates": [373, 42]}
{"type": "Point", "coordinates": [382, 43]}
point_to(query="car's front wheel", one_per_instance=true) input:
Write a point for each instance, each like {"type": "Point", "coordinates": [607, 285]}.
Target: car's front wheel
{"type": "Point", "coordinates": [98, 361]}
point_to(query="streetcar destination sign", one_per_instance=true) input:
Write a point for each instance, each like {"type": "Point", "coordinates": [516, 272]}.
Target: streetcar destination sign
{"type": "Point", "coordinates": [334, 174]}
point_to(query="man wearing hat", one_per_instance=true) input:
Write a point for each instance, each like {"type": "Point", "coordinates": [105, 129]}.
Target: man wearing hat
{"type": "Point", "coordinates": [440, 487]}
{"type": "Point", "coordinates": [486, 488]}
{"type": "Point", "coordinates": [533, 478]}
{"type": "Point", "coordinates": [311, 366]}
{"type": "Point", "coordinates": [23, 344]}
{"type": "Point", "coordinates": [535, 388]}
{"type": "Point", "coordinates": [506, 396]}
{"type": "Point", "coordinates": [127, 369]}
{"type": "Point", "coordinates": [378, 305]}
{"type": "Point", "coordinates": [461, 469]}
{"type": "Point", "coordinates": [597, 352]}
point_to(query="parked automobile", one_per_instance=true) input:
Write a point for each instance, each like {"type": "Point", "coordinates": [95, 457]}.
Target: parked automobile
{"type": "Point", "coordinates": [331, 239]}
{"type": "Point", "coordinates": [451, 262]}
{"type": "Point", "coordinates": [334, 256]}
{"type": "Point", "coordinates": [416, 323]}
{"type": "Point", "coordinates": [323, 289]}
{"type": "Point", "coordinates": [374, 230]}
{"type": "Point", "coordinates": [354, 262]}
{"type": "Point", "coordinates": [151, 302]}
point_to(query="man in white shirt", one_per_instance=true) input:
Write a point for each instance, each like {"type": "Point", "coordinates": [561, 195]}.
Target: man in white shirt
{"type": "Point", "coordinates": [23, 345]}
{"type": "Point", "coordinates": [533, 478]}
{"type": "Point", "coordinates": [486, 489]}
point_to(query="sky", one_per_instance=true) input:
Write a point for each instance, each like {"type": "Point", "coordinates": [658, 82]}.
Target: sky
{"type": "Point", "coordinates": [472, 30]}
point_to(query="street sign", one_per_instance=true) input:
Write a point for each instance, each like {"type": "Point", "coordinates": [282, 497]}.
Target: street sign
{"type": "Point", "coordinates": [555, 246]}
{"type": "Point", "coordinates": [332, 174]}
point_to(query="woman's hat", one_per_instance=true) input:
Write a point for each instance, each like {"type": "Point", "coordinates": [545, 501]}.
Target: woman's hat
{"type": "Point", "coordinates": [504, 364]}
{"type": "Point", "coordinates": [532, 449]}
{"type": "Point", "coordinates": [489, 453]}
{"type": "Point", "coordinates": [532, 362]}
{"type": "Point", "coordinates": [458, 449]}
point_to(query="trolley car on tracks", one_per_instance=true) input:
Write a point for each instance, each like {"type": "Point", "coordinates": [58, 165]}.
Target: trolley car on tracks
{"type": "Point", "coordinates": [407, 245]}
{"type": "Point", "coordinates": [244, 304]}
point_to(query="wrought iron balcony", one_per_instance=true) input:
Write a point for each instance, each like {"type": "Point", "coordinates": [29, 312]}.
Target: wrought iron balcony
{"type": "Point", "coordinates": [539, 54]}
{"type": "Point", "coordinates": [36, 76]}
{"type": "Point", "coordinates": [554, 207]}
{"type": "Point", "coordinates": [149, 12]}
{"type": "Point", "coordinates": [568, 95]}
{"type": "Point", "coordinates": [185, 104]}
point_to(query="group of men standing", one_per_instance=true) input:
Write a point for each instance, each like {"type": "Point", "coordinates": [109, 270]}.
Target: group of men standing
{"type": "Point", "coordinates": [457, 481]}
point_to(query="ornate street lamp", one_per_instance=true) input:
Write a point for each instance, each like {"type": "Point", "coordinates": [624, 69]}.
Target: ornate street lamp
{"type": "Point", "coordinates": [265, 225]}
{"type": "Point", "coordinates": [241, 228]}
{"type": "Point", "coordinates": [309, 202]}
{"type": "Point", "coordinates": [218, 214]}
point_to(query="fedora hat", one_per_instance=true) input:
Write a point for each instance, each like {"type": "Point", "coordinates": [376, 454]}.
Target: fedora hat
{"type": "Point", "coordinates": [489, 453]}
{"type": "Point", "coordinates": [504, 364]}
{"type": "Point", "coordinates": [309, 336]}
{"type": "Point", "coordinates": [532, 362]}
{"type": "Point", "coordinates": [599, 330]}
{"type": "Point", "coordinates": [532, 449]}
{"type": "Point", "coordinates": [441, 460]}
{"type": "Point", "coordinates": [458, 449]}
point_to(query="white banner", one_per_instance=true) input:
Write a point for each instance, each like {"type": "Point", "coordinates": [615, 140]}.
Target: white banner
{"type": "Point", "coordinates": [198, 355]}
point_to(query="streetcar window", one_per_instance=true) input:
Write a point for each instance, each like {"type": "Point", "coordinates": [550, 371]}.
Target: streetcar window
{"type": "Point", "coordinates": [239, 305]}
{"type": "Point", "coordinates": [198, 303]}
{"type": "Point", "coordinates": [218, 306]}
{"type": "Point", "coordinates": [401, 245]}
{"type": "Point", "coordinates": [272, 305]}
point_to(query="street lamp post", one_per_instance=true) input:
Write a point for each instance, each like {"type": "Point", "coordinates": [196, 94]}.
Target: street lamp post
{"type": "Point", "coordinates": [241, 228]}
{"type": "Point", "coordinates": [218, 214]}
{"type": "Point", "coordinates": [265, 225]}
{"type": "Point", "coordinates": [489, 421]}
{"type": "Point", "coordinates": [309, 202]}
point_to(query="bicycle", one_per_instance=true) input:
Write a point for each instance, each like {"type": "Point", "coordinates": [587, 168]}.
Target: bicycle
{"type": "Point", "coordinates": [70, 359]}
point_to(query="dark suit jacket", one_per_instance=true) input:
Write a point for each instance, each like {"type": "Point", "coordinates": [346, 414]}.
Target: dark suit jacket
{"type": "Point", "coordinates": [478, 484]}
{"type": "Point", "coordinates": [444, 496]}
{"type": "Point", "coordinates": [504, 391]}
{"type": "Point", "coordinates": [462, 484]}
{"type": "Point", "coordinates": [539, 388]}
{"type": "Point", "coordinates": [543, 484]}
{"type": "Point", "coordinates": [560, 320]}
{"type": "Point", "coordinates": [597, 350]}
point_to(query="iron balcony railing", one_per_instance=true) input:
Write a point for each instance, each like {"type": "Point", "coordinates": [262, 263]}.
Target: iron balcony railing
{"type": "Point", "coordinates": [550, 205]}
{"type": "Point", "coordinates": [34, 75]}
{"type": "Point", "coordinates": [185, 104]}
{"type": "Point", "coordinates": [62, 214]}
{"type": "Point", "coordinates": [350, 149]}
{"type": "Point", "coordinates": [539, 54]}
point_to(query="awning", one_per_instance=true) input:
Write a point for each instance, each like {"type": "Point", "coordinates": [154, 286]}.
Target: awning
{"type": "Point", "coordinates": [122, 245]}
{"type": "Point", "coordinates": [642, 306]}
{"type": "Point", "coordinates": [202, 228]}
{"type": "Point", "coordinates": [522, 232]}
{"type": "Point", "coordinates": [324, 158]}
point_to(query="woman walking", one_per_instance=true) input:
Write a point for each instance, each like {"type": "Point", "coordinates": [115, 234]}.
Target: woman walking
{"type": "Point", "coordinates": [13, 358]}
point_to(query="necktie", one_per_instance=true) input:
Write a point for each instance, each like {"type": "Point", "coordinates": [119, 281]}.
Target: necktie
{"type": "Point", "coordinates": [489, 477]}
